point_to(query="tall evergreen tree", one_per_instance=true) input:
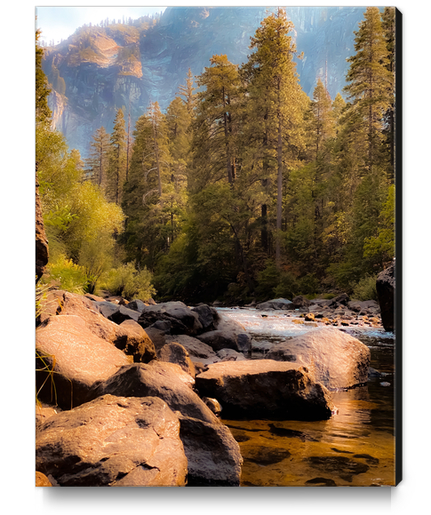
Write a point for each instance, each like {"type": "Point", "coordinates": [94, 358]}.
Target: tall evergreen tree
{"type": "Point", "coordinates": [188, 92]}
{"type": "Point", "coordinates": [98, 160]}
{"type": "Point", "coordinates": [117, 160]}
{"type": "Point", "coordinates": [276, 104]}
{"type": "Point", "coordinates": [215, 154]}
{"type": "Point", "coordinates": [370, 82]}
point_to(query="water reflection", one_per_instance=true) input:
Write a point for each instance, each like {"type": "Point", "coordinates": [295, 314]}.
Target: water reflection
{"type": "Point", "coordinates": [355, 447]}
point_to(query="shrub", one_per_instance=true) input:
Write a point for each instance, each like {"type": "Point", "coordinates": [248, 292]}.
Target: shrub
{"type": "Point", "coordinates": [129, 282]}
{"type": "Point", "coordinates": [365, 289]}
{"type": "Point", "coordinates": [66, 275]}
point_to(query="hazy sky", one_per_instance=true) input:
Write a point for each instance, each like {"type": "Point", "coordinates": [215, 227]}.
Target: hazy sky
{"type": "Point", "coordinates": [59, 23]}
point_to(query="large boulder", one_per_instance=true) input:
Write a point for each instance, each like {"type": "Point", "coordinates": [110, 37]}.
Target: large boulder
{"type": "Point", "coordinates": [70, 359]}
{"type": "Point", "coordinates": [300, 302]}
{"type": "Point", "coordinates": [113, 441]}
{"type": "Point", "coordinates": [181, 318]}
{"type": "Point", "coordinates": [275, 304]}
{"type": "Point", "coordinates": [385, 286]}
{"type": "Point", "coordinates": [135, 342]}
{"type": "Point", "coordinates": [216, 461]}
{"type": "Point", "coordinates": [265, 389]}
{"type": "Point", "coordinates": [229, 334]}
{"type": "Point", "coordinates": [337, 359]}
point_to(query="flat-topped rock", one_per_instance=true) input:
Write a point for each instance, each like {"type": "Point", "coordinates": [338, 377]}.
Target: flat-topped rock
{"type": "Point", "coordinates": [265, 389]}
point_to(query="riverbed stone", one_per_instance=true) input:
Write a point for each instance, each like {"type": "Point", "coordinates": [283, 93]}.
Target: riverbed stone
{"type": "Point", "coordinates": [197, 349]}
{"type": "Point", "coordinates": [135, 342]}
{"type": "Point", "coordinates": [229, 334]}
{"type": "Point", "coordinates": [275, 304]}
{"type": "Point", "coordinates": [265, 388]}
{"type": "Point", "coordinates": [117, 313]}
{"type": "Point", "coordinates": [182, 319]}
{"type": "Point", "coordinates": [208, 316]}
{"type": "Point", "coordinates": [113, 441]}
{"type": "Point", "coordinates": [77, 357]}
{"type": "Point", "coordinates": [60, 302]}
{"type": "Point", "coordinates": [176, 353]}
{"type": "Point", "coordinates": [336, 359]}
{"type": "Point", "coordinates": [230, 355]}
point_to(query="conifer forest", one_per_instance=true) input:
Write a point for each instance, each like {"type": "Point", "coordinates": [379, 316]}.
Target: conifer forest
{"type": "Point", "coordinates": [244, 188]}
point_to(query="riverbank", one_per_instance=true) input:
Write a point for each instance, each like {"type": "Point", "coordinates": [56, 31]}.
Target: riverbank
{"type": "Point", "coordinates": [135, 360]}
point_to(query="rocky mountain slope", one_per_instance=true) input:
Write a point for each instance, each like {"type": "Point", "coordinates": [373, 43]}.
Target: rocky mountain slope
{"type": "Point", "coordinates": [100, 69]}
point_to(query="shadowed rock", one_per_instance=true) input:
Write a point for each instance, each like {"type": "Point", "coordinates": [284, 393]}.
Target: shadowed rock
{"type": "Point", "coordinates": [265, 388]}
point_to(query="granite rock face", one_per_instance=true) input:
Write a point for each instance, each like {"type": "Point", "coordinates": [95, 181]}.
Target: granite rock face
{"type": "Point", "coordinates": [100, 75]}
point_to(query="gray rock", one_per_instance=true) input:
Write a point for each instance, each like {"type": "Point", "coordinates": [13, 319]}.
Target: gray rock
{"type": "Point", "coordinates": [208, 316]}
{"type": "Point", "coordinates": [275, 304]}
{"type": "Point", "coordinates": [183, 320]}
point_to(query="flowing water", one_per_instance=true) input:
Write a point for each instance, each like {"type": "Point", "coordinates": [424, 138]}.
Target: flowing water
{"type": "Point", "coordinates": [355, 447]}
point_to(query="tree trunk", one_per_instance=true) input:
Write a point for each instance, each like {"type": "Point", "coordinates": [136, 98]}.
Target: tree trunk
{"type": "Point", "coordinates": [279, 193]}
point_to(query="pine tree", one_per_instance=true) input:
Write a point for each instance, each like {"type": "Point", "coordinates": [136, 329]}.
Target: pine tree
{"type": "Point", "coordinates": [117, 160]}
{"type": "Point", "coordinates": [322, 120]}
{"type": "Point", "coordinates": [276, 104]}
{"type": "Point", "coordinates": [371, 82]}
{"type": "Point", "coordinates": [98, 160]}
{"type": "Point", "coordinates": [187, 92]}
{"type": "Point", "coordinates": [150, 196]}
{"type": "Point", "coordinates": [215, 126]}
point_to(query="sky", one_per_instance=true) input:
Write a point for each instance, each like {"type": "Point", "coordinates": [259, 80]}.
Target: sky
{"type": "Point", "coordinates": [59, 23]}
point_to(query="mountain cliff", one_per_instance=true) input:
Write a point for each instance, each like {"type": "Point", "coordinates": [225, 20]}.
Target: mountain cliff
{"type": "Point", "coordinates": [100, 69]}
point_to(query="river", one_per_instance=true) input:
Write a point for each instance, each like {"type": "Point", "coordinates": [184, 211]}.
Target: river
{"type": "Point", "coordinates": [355, 447]}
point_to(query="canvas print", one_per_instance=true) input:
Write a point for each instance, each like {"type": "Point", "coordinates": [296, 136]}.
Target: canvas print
{"type": "Point", "coordinates": [218, 246]}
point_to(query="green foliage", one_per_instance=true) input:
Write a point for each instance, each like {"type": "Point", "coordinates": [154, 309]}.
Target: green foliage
{"type": "Point", "coordinates": [381, 248]}
{"type": "Point", "coordinates": [129, 282]}
{"type": "Point", "coordinates": [66, 275]}
{"type": "Point", "coordinates": [365, 289]}
{"type": "Point", "coordinates": [287, 287]}
{"type": "Point", "coordinates": [268, 280]}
